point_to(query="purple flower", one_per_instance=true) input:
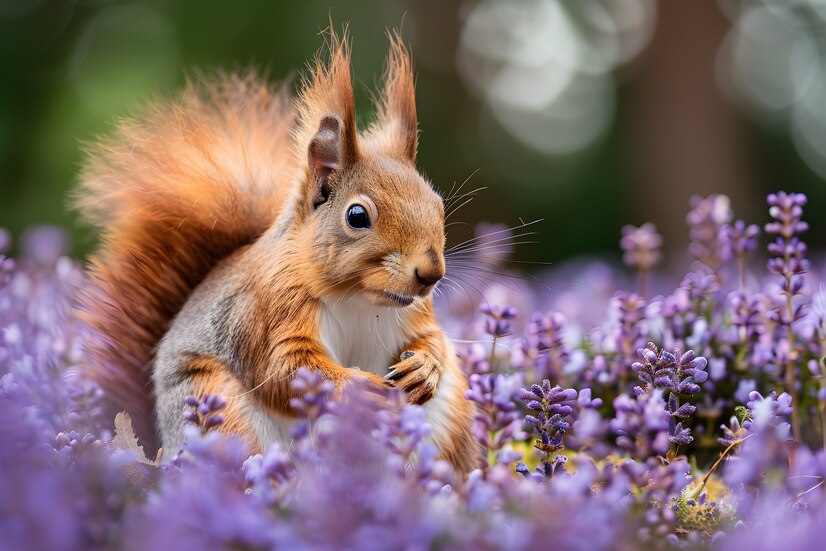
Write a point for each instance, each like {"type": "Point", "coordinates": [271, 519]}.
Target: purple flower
{"type": "Point", "coordinates": [676, 372]}
{"type": "Point", "coordinates": [787, 211]}
{"type": "Point", "coordinates": [314, 394]}
{"type": "Point", "coordinates": [679, 435]}
{"type": "Point", "coordinates": [606, 457]}
{"type": "Point", "coordinates": [72, 445]}
{"type": "Point", "coordinates": [708, 217]}
{"type": "Point", "coordinates": [701, 285]}
{"type": "Point", "coordinates": [628, 335]}
{"type": "Point", "coordinates": [641, 424]}
{"type": "Point", "coordinates": [733, 433]}
{"type": "Point", "coordinates": [552, 409]}
{"type": "Point", "coordinates": [404, 434]}
{"type": "Point", "coordinates": [741, 238]}
{"type": "Point", "coordinates": [641, 246]}
{"type": "Point", "coordinates": [5, 241]}
{"type": "Point", "coordinates": [543, 348]}
{"type": "Point", "coordinates": [746, 316]}
{"type": "Point", "coordinates": [497, 421]}
{"type": "Point", "coordinates": [474, 359]}
{"type": "Point", "coordinates": [45, 244]}
{"type": "Point", "coordinates": [204, 412]}
{"type": "Point", "coordinates": [586, 401]}
{"type": "Point", "coordinates": [268, 475]}
{"type": "Point", "coordinates": [788, 254]}
{"type": "Point", "coordinates": [769, 410]}
{"type": "Point", "coordinates": [497, 321]}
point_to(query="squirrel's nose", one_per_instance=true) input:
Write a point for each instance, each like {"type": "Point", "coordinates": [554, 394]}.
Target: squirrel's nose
{"type": "Point", "coordinates": [426, 279]}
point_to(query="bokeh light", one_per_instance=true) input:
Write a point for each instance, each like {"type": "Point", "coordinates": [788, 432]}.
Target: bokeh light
{"type": "Point", "coordinates": [613, 105]}
{"type": "Point", "coordinates": [772, 59]}
{"type": "Point", "coordinates": [545, 68]}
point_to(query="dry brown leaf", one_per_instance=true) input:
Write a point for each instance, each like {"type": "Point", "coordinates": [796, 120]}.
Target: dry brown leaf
{"type": "Point", "coordinates": [125, 439]}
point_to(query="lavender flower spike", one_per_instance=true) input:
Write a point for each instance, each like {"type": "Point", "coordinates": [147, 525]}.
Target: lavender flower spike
{"type": "Point", "coordinates": [203, 413]}
{"type": "Point", "coordinates": [790, 263]}
{"type": "Point", "coordinates": [553, 407]}
{"type": "Point", "coordinates": [641, 250]}
{"type": "Point", "coordinates": [680, 373]}
{"type": "Point", "coordinates": [706, 221]}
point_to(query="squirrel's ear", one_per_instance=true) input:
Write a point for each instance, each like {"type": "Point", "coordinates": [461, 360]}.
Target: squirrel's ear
{"type": "Point", "coordinates": [326, 100]}
{"type": "Point", "coordinates": [325, 154]}
{"type": "Point", "coordinates": [397, 127]}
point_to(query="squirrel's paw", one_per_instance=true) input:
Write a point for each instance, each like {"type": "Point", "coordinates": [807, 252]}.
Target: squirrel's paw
{"type": "Point", "coordinates": [418, 374]}
{"type": "Point", "coordinates": [374, 382]}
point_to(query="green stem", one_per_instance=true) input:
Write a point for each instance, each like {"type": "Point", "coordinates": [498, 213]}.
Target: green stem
{"type": "Point", "coordinates": [699, 490]}
{"type": "Point", "coordinates": [492, 353]}
{"type": "Point", "coordinates": [790, 380]}
{"type": "Point", "coordinates": [675, 447]}
{"type": "Point", "coordinates": [741, 265]}
{"type": "Point", "coordinates": [822, 407]}
{"type": "Point", "coordinates": [644, 278]}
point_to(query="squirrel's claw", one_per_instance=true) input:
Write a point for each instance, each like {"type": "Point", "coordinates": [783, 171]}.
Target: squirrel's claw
{"type": "Point", "coordinates": [418, 374]}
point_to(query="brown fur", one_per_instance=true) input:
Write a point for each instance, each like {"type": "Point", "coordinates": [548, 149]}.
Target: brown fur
{"type": "Point", "coordinates": [174, 192]}
{"type": "Point", "coordinates": [227, 165]}
{"type": "Point", "coordinates": [210, 376]}
{"type": "Point", "coordinates": [396, 128]}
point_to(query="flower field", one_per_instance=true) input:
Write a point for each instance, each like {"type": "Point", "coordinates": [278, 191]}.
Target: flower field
{"type": "Point", "coordinates": [617, 408]}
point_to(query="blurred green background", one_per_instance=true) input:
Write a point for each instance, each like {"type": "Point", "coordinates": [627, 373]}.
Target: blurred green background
{"type": "Point", "coordinates": [589, 114]}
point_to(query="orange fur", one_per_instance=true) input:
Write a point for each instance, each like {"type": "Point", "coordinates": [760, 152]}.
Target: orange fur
{"type": "Point", "coordinates": [220, 191]}
{"type": "Point", "coordinates": [210, 376]}
{"type": "Point", "coordinates": [396, 130]}
{"type": "Point", "coordinates": [174, 192]}
{"type": "Point", "coordinates": [327, 89]}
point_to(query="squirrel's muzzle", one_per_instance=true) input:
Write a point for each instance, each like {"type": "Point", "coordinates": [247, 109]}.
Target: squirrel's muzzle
{"type": "Point", "coordinates": [427, 278]}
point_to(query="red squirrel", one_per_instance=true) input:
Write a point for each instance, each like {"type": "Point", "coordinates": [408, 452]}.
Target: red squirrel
{"type": "Point", "coordinates": [246, 234]}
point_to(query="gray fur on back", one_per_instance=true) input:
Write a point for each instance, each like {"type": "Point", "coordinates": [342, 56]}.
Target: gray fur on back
{"type": "Point", "coordinates": [203, 327]}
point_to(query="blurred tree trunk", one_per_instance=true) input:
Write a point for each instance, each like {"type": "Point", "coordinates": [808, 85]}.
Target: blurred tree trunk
{"type": "Point", "coordinates": [686, 138]}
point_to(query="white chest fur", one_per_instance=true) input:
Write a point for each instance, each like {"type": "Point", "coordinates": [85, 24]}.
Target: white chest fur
{"type": "Point", "coordinates": [358, 334]}
{"type": "Point", "coordinates": [371, 338]}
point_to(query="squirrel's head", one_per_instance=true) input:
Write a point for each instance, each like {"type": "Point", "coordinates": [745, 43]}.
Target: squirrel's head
{"type": "Point", "coordinates": [375, 224]}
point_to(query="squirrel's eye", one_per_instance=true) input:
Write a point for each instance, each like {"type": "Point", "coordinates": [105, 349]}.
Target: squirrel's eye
{"type": "Point", "coordinates": [357, 218]}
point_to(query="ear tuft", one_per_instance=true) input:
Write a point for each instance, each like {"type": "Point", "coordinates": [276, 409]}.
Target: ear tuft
{"type": "Point", "coordinates": [326, 130]}
{"type": "Point", "coordinates": [397, 127]}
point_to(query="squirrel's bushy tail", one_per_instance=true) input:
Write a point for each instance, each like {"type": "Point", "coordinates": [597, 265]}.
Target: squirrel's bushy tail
{"type": "Point", "coordinates": [174, 192]}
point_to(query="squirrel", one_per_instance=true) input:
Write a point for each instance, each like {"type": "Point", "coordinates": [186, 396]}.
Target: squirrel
{"type": "Point", "coordinates": [246, 234]}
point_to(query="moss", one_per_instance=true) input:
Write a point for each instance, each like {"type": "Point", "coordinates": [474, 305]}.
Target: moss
{"type": "Point", "coordinates": [707, 515]}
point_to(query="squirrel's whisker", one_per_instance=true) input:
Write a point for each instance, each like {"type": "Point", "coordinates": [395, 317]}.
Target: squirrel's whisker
{"type": "Point", "coordinates": [477, 240]}
{"type": "Point", "coordinates": [454, 190]}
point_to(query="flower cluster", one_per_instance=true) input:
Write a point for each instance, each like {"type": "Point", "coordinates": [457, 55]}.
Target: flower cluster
{"type": "Point", "coordinates": [684, 415]}
{"type": "Point", "coordinates": [677, 373]}
{"type": "Point", "coordinates": [497, 320]}
{"type": "Point", "coordinates": [641, 250]}
{"type": "Point", "coordinates": [204, 412]}
{"type": "Point", "coordinates": [544, 353]}
{"type": "Point", "coordinates": [707, 221]}
{"type": "Point", "coordinates": [498, 422]}
{"type": "Point", "coordinates": [641, 246]}
{"type": "Point", "coordinates": [788, 262]}
{"type": "Point", "coordinates": [739, 240]}
{"type": "Point", "coordinates": [552, 409]}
